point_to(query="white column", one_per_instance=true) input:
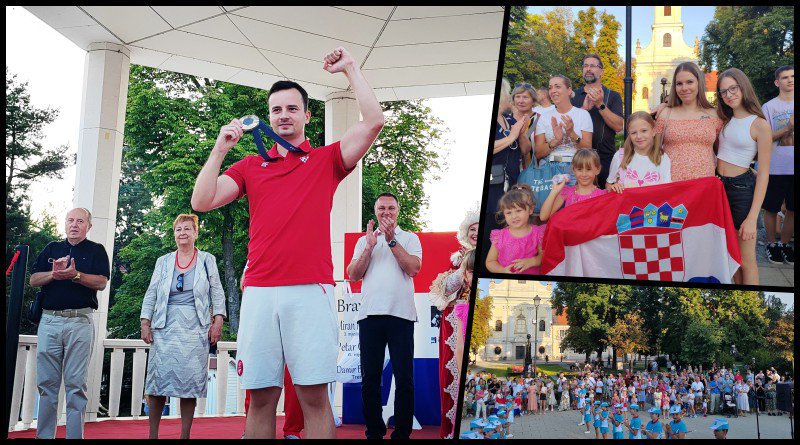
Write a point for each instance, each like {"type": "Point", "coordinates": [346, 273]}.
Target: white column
{"type": "Point", "coordinates": [341, 113]}
{"type": "Point", "coordinates": [105, 94]}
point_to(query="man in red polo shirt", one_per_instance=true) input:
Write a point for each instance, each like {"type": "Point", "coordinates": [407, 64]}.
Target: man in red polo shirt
{"type": "Point", "coordinates": [288, 314]}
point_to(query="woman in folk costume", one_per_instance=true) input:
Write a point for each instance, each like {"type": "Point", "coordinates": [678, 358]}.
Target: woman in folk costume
{"type": "Point", "coordinates": [447, 290]}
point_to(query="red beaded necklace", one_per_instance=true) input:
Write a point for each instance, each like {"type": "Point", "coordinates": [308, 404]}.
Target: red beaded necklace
{"type": "Point", "coordinates": [190, 261]}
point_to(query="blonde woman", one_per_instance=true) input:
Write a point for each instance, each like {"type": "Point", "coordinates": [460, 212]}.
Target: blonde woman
{"type": "Point", "coordinates": [510, 142]}
{"type": "Point", "coordinates": [182, 313]}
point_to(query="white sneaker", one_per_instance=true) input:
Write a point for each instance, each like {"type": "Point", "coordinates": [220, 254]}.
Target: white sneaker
{"type": "Point", "coordinates": [585, 432]}
{"type": "Point", "coordinates": [582, 424]}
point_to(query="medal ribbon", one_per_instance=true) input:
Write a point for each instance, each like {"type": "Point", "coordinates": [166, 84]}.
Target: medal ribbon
{"type": "Point", "coordinates": [262, 126]}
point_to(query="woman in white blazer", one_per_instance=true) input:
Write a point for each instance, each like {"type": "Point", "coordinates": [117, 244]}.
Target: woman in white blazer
{"type": "Point", "coordinates": [182, 314]}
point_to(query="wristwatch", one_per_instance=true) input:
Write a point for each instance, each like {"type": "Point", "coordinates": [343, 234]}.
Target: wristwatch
{"type": "Point", "coordinates": [76, 278]}
{"type": "Point", "coordinates": [602, 106]}
{"type": "Point", "coordinates": [392, 243]}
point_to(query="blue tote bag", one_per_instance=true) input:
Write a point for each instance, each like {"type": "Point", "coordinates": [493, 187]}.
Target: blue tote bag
{"type": "Point", "coordinates": [541, 178]}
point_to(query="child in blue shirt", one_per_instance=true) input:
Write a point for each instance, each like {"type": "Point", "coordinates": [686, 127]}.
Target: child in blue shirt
{"type": "Point", "coordinates": [604, 422]}
{"type": "Point", "coordinates": [596, 415]}
{"type": "Point", "coordinates": [635, 424]}
{"type": "Point", "coordinates": [617, 420]}
{"type": "Point", "coordinates": [676, 428]}
{"type": "Point", "coordinates": [653, 429]}
{"type": "Point", "coordinates": [587, 416]}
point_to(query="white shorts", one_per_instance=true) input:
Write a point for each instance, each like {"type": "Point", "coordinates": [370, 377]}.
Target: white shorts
{"type": "Point", "coordinates": [291, 325]}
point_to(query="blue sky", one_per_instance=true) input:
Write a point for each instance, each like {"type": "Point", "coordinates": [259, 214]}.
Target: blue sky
{"type": "Point", "coordinates": [695, 19]}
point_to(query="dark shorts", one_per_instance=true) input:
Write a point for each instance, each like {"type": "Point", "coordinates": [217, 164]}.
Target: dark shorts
{"type": "Point", "coordinates": [779, 189]}
{"type": "Point", "coordinates": [740, 190]}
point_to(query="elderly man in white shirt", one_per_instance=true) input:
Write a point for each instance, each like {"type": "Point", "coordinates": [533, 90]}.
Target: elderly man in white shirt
{"type": "Point", "coordinates": [387, 259]}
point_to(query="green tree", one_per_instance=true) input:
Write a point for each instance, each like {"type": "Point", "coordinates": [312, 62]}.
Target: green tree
{"type": "Point", "coordinates": [702, 342]}
{"type": "Point", "coordinates": [28, 161]}
{"type": "Point", "coordinates": [585, 28]}
{"type": "Point", "coordinates": [681, 307]}
{"type": "Point", "coordinates": [781, 337]}
{"type": "Point", "coordinates": [481, 327]}
{"type": "Point", "coordinates": [517, 59]}
{"type": "Point", "coordinates": [608, 50]}
{"type": "Point", "coordinates": [628, 335]}
{"type": "Point", "coordinates": [403, 157]}
{"type": "Point", "coordinates": [755, 39]}
{"type": "Point", "coordinates": [592, 310]}
{"type": "Point", "coordinates": [648, 302]}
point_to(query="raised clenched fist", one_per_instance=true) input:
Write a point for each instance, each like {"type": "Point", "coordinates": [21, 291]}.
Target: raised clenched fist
{"type": "Point", "coordinates": [337, 60]}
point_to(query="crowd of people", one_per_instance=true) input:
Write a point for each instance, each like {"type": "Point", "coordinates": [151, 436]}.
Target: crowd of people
{"type": "Point", "coordinates": [613, 405]}
{"type": "Point", "coordinates": [570, 139]}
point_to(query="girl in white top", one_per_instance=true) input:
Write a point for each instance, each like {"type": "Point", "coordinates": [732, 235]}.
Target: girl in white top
{"type": "Point", "coordinates": [640, 162]}
{"type": "Point", "coordinates": [745, 134]}
{"type": "Point", "coordinates": [561, 131]}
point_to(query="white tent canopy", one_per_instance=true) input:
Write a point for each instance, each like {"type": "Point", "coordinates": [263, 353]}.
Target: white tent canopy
{"type": "Point", "coordinates": [406, 52]}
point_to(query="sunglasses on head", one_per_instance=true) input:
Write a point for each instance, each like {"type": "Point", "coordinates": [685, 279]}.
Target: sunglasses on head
{"type": "Point", "coordinates": [524, 85]}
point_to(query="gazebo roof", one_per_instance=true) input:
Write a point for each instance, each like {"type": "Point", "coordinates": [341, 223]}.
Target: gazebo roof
{"type": "Point", "coordinates": [406, 52]}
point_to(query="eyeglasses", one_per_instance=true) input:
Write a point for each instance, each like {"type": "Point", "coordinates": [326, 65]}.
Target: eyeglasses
{"type": "Point", "coordinates": [730, 91]}
{"type": "Point", "coordinates": [179, 286]}
{"type": "Point", "coordinates": [591, 65]}
{"type": "Point", "coordinates": [524, 85]}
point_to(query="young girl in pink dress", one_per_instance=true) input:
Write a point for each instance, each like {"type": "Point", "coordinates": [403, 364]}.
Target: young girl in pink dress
{"type": "Point", "coordinates": [517, 247]}
{"type": "Point", "coordinates": [586, 166]}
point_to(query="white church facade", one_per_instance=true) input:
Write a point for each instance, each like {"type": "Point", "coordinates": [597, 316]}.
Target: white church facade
{"type": "Point", "coordinates": [656, 61]}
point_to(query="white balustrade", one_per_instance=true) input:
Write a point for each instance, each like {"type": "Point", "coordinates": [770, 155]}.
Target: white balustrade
{"type": "Point", "coordinates": [223, 357]}
{"type": "Point", "coordinates": [117, 361]}
{"type": "Point", "coordinates": [22, 354]}
{"type": "Point", "coordinates": [29, 388]}
{"type": "Point", "coordinates": [137, 387]}
{"type": "Point", "coordinates": [25, 391]}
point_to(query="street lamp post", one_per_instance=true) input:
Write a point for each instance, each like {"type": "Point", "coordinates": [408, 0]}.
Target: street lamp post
{"type": "Point", "coordinates": [663, 88]}
{"type": "Point", "coordinates": [536, 301]}
{"type": "Point", "coordinates": [758, 427]}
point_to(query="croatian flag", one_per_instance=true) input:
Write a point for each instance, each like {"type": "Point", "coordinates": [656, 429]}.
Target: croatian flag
{"type": "Point", "coordinates": [681, 231]}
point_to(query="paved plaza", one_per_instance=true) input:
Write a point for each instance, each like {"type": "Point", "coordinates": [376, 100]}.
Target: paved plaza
{"type": "Point", "coordinates": [564, 425]}
{"type": "Point", "coordinates": [771, 274]}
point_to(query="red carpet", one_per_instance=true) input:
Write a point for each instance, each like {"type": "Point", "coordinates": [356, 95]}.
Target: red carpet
{"type": "Point", "coordinates": [202, 428]}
